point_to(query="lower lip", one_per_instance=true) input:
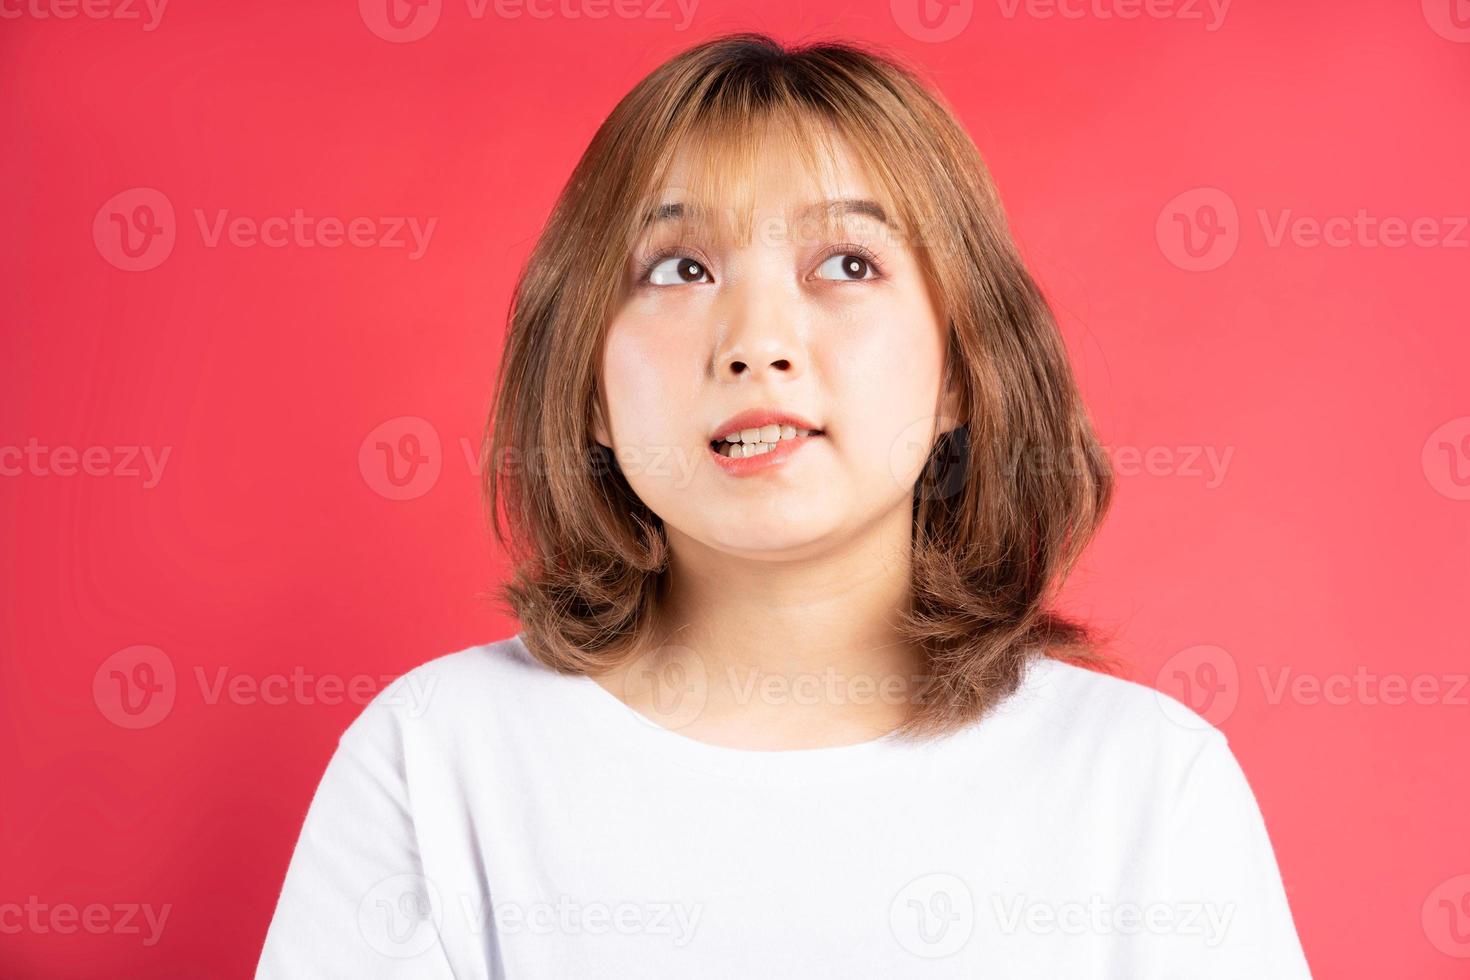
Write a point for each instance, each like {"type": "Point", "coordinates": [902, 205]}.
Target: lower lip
{"type": "Point", "coordinates": [751, 465]}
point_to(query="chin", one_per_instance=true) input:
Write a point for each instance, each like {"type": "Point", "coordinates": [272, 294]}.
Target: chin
{"type": "Point", "coordinates": [785, 540]}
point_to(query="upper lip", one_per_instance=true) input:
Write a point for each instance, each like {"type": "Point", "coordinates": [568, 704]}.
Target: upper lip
{"type": "Point", "coordinates": [755, 418]}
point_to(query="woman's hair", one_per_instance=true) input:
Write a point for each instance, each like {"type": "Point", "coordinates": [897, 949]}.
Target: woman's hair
{"type": "Point", "coordinates": [1006, 502]}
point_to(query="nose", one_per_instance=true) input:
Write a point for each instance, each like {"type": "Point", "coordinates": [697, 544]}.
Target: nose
{"type": "Point", "coordinates": [762, 337]}
{"type": "Point", "coordinates": [733, 366]}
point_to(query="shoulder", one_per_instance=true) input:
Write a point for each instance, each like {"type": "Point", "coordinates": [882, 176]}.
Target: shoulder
{"type": "Point", "coordinates": [1113, 727]}
{"type": "Point", "coordinates": [1091, 699]}
{"type": "Point", "coordinates": [475, 687]}
{"type": "Point", "coordinates": [1150, 770]}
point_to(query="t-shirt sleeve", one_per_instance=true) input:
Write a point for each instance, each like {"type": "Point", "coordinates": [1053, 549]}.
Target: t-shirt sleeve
{"type": "Point", "coordinates": [1225, 891]}
{"type": "Point", "coordinates": [355, 903]}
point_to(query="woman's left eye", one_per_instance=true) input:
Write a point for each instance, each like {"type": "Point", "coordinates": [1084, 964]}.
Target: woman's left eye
{"type": "Point", "coordinates": [846, 267]}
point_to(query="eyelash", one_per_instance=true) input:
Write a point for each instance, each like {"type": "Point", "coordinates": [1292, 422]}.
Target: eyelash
{"type": "Point", "coordinates": [845, 248]}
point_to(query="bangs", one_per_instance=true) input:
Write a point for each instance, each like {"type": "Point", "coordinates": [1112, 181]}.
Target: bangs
{"type": "Point", "coordinates": [720, 150]}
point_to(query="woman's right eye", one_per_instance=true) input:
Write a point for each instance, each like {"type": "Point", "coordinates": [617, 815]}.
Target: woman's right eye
{"type": "Point", "coordinates": [677, 270]}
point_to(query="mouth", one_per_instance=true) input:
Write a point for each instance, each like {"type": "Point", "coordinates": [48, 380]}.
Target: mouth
{"type": "Point", "coordinates": [759, 441]}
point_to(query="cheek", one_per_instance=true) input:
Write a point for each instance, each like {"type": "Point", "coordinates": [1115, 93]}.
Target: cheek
{"type": "Point", "coordinates": [885, 372]}
{"type": "Point", "coordinates": [645, 372]}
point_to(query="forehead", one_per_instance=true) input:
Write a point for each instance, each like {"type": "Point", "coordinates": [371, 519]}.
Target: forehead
{"type": "Point", "coordinates": [727, 182]}
{"type": "Point", "coordinates": [777, 162]}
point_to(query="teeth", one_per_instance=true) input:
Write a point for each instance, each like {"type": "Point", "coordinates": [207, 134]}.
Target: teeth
{"type": "Point", "coordinates": [754, 442]}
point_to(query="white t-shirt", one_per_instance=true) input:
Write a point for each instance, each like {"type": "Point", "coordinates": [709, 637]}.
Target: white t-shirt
{"type": "Point", "coordinates": [489, 817]}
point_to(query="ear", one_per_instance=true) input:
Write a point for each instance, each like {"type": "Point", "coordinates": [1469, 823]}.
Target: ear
{"type": "Point", "coordinates": [950, 410]}
{"type": "Point", "coordinates": [599, 423]}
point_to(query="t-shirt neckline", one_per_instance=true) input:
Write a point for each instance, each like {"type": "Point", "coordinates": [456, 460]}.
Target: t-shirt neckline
{"type": "Point", "coordinates": [645, 736]}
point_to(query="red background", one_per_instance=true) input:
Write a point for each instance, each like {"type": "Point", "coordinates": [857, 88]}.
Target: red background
{"type": "Point", "coordinates": [1333, 544]}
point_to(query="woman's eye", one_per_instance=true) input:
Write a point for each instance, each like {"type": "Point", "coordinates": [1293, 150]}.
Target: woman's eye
{"type": "Point", "coordinates": [846, 267]}
{"type": "Point", "coordinates": [677, 270]}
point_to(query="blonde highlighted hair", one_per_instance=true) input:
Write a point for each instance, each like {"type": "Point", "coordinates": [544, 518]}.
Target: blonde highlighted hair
{"type": "Point", "coordinates": [1007, 501]}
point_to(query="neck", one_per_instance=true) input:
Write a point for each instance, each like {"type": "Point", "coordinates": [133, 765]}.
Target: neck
{"type": "Point", "coordinates": [796, 652]}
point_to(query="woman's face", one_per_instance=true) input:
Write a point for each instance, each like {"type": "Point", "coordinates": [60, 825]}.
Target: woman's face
{"type": "Point", "coordinates": [835, 325]}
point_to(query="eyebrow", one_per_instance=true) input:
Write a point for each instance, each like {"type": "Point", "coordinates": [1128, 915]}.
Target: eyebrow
{"type": "Point", "coordinates": [835, 208]}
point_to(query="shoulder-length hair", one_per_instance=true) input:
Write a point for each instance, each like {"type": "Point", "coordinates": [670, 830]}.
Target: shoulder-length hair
{"type": "Point", "coordinates": [1006, 502]}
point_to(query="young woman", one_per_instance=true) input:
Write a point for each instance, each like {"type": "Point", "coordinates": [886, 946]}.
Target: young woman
{"type": "Point", "coordinates": [790, 460]}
